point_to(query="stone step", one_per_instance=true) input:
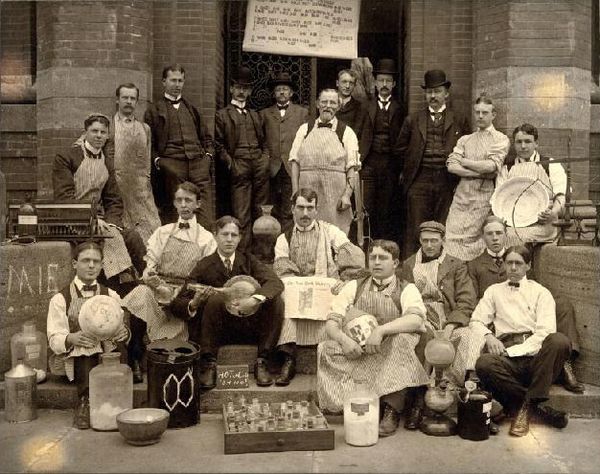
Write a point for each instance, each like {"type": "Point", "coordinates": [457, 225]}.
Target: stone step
{"type": "Point", "coordinates": [306, 360]}
{"type": "Point", "coordinates": [57, 394]}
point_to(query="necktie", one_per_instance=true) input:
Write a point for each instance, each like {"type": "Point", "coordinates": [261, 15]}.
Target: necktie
{"type": "Point", "coordinates": [283, 107]}
{"type": "Point", "coordinates": [380, 286]}
{"type": "Point", "coordinates": [227, 263]}
{"type": "Point", "coordinates": [241, 110]}
{"type": "Point", "coordinates": [324, 125]}
{"type": "Point", "coordinates": [514, 284]}
{"type": "Point", "coordinates": [174, 102]}
{"type": "Point", "coordinates": [89, 287]}
{"type": "Point", "coordinates": [184, 225]}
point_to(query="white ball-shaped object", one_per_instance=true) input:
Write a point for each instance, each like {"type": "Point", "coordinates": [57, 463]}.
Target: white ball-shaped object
{"type": "Point", "coordinates": [101, 316]}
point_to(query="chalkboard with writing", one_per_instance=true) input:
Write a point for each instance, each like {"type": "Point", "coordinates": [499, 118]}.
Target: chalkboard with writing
{"type": "Point", "coordinates": [232, 376]}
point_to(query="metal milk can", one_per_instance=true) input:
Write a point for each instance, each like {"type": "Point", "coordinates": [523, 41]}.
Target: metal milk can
{"type": "Point", "coordinates": [20, 393]}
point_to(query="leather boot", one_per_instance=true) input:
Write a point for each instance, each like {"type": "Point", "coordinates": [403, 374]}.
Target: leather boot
{"type": "Point", "coordinates": [261, 373]}
{"type": "Point", "coordinates": [520, 423]}
{"type": "Point", "coordinates": [390, 421]}
{"type": "Point", "coordinates": [570, 382]}
{"type": "Point", "coordinates": [287, 373]}
{"type": "Point", "coordinates": [207, 378]}
{"type": "Point", "coordinates": [81, 420]}
{"type": "Point", "coordinates": [551, 416]}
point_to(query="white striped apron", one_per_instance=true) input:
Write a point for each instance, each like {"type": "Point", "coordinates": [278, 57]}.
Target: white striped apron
{"type": "Point", "coordinates": [177, 260]}
{"type": "Point", "coordinates": [395, 368]}
{"type": "Point", "coordinates": [132, 172]}
{"type": "Point", "coordinates": [536, 232]}
{"type": "Point", "coordinates": [63, 364]}
{"type": "Point", "coordinates": [90, 178]}
{"type": "Point", "coordinates": [323, 163]}
{"type": "Point", "coordinates": [470, 344]}
{"type": "Point", "coordinates": [470, 204]}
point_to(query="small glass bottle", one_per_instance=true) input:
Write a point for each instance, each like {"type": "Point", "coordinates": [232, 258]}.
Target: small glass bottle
{"type": "Point", "coordinates": [361, 416]}
{"type": "Point", "coordinates": [111, 391]}
{"type": "Point", "coordinates": [30, 346]}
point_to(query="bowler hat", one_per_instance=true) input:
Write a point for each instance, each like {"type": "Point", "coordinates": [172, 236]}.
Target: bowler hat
{"type": "Point", "coordinates": [242, 76]}
{"type": "Point", "coordinates": [282, 79]}
{"type": "Point", "coordinates": [435, 78]}
{"type": "Point", "coordinates": [385, 66]}
{"type": "Point", "coordinates": [433, 226]}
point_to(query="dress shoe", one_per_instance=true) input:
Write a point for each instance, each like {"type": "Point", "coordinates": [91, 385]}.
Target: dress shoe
{"type": "Point", "coordinates": [494, 428]}
{"type": "Point", "coordinates": [261, 373]}
{"type": "Point", "coordinates": [138, 377]}
{"type": "Point", "coordinates": [414, 418]}
{"type": "Point", "coordinates": [287, 373]}
{"type": "Point", "coordinates": [570, 382]}
{"type": "Point", "coordinates": [551, 416]}
{"type": "Point", "coordinates": [82, 413]}
{"type": "Point", "coordinates": [389, 423]}
{"type": "Point", "coordinates": [520, 423]}
{"type": "Point", "coordinates": [207, 379]}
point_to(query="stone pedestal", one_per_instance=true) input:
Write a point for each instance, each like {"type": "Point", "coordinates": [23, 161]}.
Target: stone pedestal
{"type": "Point", "coordinates": [29, 276]}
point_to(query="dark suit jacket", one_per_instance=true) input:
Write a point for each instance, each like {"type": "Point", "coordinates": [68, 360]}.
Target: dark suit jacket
{"type": "Point", "coordinates": [280, 133]}
{"type": "Point", "coordinates": [356, 116]}
{"type": "Point", "coordinates": [484, 272]}
{"type": "Point", "coordinates": [410, 144]}
{"type": "Point", "coordinates": [227, 134]}
{"type": "Point", "coordinates": [158, 120]}
{"type": "Point", "coordinates": [455, 285]}
{"type": "Point", "coordinates": [396, 114]}
{"type": "Point", "coordinates": [66, 164]}
{"type": "Point", "coordinates": [211, 271]}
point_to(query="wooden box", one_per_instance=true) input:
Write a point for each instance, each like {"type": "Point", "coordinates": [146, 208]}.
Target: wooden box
{"type": "Point", "coordinates": [316, 439]}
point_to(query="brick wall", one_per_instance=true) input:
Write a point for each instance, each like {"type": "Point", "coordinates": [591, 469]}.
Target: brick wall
{"type": "Point", "coordinates": [439, 36]}
{"type": "Point", "coordinates": [17, 54]}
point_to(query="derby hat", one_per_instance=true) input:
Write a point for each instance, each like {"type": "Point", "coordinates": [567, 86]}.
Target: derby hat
{"type": "Point", "coordinates": [385, 66]}
{"type": "Point", "coordinates": [282, 79]}
{"type": "Point", "coordinates": [435, 78]}
{"type": "Point", "coordinates": [242, 76]}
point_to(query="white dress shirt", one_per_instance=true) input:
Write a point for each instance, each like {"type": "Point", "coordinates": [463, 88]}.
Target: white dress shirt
{"type": "Point", "coordinates": [57, 324]}
{"type": "Point", "coordinates": [528, 308]}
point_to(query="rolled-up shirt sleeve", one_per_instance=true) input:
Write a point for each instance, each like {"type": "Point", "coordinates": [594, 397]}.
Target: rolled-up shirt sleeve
{"type": "Point", "coordinates": [57, 324]}
{"type": "Point", "coordinates": [412, 302]}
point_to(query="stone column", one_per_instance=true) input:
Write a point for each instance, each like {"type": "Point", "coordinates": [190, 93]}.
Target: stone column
{"type": "Point", "coordinates": [534, 60]}
{"type": "Point", "coordinates": [85, 50]}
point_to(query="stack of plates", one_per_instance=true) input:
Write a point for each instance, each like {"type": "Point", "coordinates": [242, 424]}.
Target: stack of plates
{"type": "Point", "coordinates": [519, 200]}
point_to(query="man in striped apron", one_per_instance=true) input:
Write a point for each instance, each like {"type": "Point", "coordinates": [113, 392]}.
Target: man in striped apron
{"type": "Point", "coordinates": [386, 359]}
{"type": "Point", "coordinates": [311, 248]}
{"type": "Point", "coordinates": [477, 159]}
{"type": "Point", "coordinates": [75, 353]}
{"type": "Point", "coordinates": [449, 297]}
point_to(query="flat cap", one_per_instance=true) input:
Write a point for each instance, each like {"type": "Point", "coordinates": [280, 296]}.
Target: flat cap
{"type": "Point", "coordinates": [433, 226]}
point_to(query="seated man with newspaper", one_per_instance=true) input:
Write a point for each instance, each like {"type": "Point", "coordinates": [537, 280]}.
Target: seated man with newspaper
{"type": "Point", "coordinates": [310, 257]}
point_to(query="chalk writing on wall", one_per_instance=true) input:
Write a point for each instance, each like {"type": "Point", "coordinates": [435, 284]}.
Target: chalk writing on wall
{"type": "Point", "coordinates": [322, 28]}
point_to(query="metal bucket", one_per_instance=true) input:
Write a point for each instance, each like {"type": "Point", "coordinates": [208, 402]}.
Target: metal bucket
{"type": "Point", "coordinates": [172, 381]}
{"type": "Point", "coordinates": [474, 410]}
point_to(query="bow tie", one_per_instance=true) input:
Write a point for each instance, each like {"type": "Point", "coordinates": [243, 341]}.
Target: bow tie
{"type": "Point", "coordinates": [174, 102]}
{"type": "Point", "coordinates": [184, 225]}
{"type": "Point", "coordinates": [240, 109]}
{"type": "Point", "coordinates": [89, 287]}
{"type": "Point", "coordinates": [283, 107]}
{"type": "Point", "coordinates": [514, 284]}
{"type": "Point", "coordinates": [324, 125]}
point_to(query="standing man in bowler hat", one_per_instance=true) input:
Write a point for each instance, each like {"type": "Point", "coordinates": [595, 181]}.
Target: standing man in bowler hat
{"type": "Point", "coordinates": [240, 144]}
{"type": "Point", "coordinates": [281, 122]}
{"type": "Point", "coordinates": [380, 168]}
{"type": "Point", "coordinates": [426, 139]}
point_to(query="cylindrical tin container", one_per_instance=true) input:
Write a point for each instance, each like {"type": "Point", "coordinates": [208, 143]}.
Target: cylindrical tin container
{"type": "Point", "coordinates": [20, 394]}
{"type": "Point", "coordinates": [172, 381]}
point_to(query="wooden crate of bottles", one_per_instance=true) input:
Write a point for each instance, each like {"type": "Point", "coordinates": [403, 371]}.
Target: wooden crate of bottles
{"type": "Point", "coordinates": [255, 427]}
